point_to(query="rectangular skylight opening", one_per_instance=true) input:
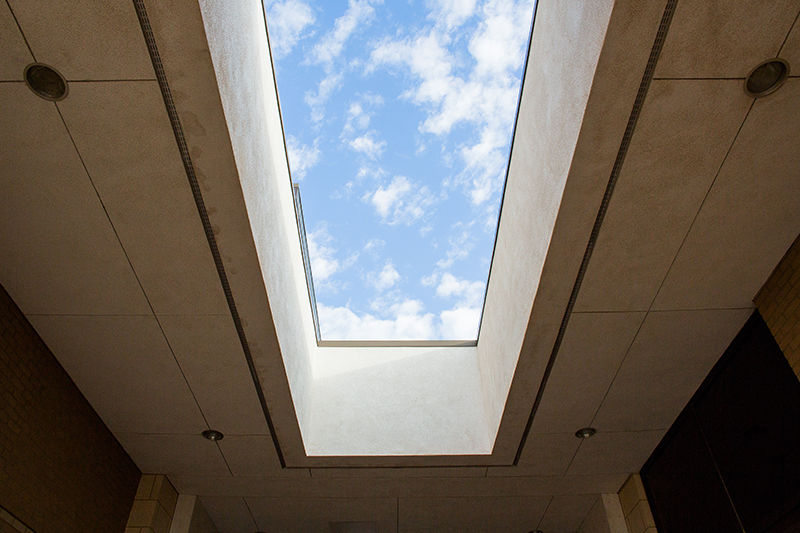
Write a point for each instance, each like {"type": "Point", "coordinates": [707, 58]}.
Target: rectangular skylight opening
{"type": "Point", "coordinates": [398, 124]}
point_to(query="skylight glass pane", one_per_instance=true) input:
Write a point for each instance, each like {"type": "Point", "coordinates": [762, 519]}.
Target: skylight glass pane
{"type": "Point", "coordinates": [398, 119]}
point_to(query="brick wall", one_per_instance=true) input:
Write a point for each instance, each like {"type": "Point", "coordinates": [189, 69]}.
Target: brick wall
{"type": "Point", "coordinates": [61, 469]}
{"type": "Point", "coordinates": [635, 507]}
{"type": "Point", "coordinates": [778, 301]}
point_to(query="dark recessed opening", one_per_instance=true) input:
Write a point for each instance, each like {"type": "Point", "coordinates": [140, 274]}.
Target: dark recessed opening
{"type": "Point", "coordinates": [585, 433]}
{"type": "Point", "coordinates": [766, 77]}
{"type": "Point", "coordinates": [46, 82]}
{"type": "Point", "coordinates": [213, 435]}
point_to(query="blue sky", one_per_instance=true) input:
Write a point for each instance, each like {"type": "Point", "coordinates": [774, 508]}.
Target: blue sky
{"type": "Point", "coordinates": [398, 119]}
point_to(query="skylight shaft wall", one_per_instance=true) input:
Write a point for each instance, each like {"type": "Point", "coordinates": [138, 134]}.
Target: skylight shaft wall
{"type": "Point", "coordinates": [398, 123]}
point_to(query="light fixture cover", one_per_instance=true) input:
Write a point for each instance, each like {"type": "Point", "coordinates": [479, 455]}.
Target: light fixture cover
{"type": "Point", "coordinates": [46, 82]}
{"type": "Point", "coordinates": [212, 434]}
{"type": "Point", "coordinates": [585, 433]}
{"type": "Point", "coordinates": [766, 77]}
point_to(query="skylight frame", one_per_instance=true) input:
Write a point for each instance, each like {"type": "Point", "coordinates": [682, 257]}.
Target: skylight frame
{"type": "Point", "coordinates": [301, 231]}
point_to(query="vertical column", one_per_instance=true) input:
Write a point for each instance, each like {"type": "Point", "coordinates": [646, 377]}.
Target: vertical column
{"type": "Point", "coordinates": [154, 505]}
{"type": "Point", "coordinates": [605, 516]}
{"type": "Point", "coordinates": [635, 506]}
{"type": "Point", "coordinates": [778, 301]}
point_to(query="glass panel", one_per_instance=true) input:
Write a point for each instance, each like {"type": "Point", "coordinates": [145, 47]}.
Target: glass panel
{"type": "Point", "coordinates": [398, 119]}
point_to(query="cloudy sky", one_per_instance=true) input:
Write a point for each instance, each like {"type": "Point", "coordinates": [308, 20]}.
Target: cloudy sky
{"type": "Point", "coordinates": [398, 120]}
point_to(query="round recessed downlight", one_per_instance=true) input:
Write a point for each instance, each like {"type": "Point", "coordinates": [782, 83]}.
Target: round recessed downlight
{"type": "Point", "coordinates": [585, 433]}
{"type": "Point", "coordinates": [46, 82]}
{"type": "Point", "coordinates": [766, 77]}
{"type": "Point", "coordinates": [213, 435]}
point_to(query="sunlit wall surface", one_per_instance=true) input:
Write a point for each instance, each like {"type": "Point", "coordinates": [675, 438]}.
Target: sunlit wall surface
{"type": "Point", "coordinates": [398, 119]}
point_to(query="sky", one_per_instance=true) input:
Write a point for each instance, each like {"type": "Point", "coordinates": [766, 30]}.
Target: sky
{"type": "Point", "coordinates": [398, 119]}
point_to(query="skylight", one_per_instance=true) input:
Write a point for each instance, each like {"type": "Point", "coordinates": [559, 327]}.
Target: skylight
{"type": "Point", "coordinates": [398, 120]}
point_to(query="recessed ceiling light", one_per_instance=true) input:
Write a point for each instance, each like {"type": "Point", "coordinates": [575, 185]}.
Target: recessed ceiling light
{"type": "Point", "coordinates": [212, 434]}
{"type": "Point", "coordinates": [766, 77]}
{"type": "Point", "coordinates": [46, 82]}
{"type": "Point", "coordinates": [585, 433]}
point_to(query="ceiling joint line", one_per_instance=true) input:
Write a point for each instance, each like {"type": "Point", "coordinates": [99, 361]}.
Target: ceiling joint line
{"type": "Point", "coordinates": [616, 373]}
{"type": "Point", "coordinates": [177, 129]}
{"type": "Point", "coordinates": [697, 214]}
{"type": "Point", "coordinates": [130, 263]}
{"type": "Point", "coordinates": [788, 33]}
{"type": "Point", "coordinates": [22, 33]}
{"type": "Point", "coordinates": [644, 86]}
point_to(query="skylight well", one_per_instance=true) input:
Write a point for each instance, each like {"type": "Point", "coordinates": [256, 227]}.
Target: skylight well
{"type": "Point", "coordinates": [398, 119]}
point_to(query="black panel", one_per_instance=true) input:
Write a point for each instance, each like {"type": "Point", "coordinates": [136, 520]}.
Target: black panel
{"type": "Point", "coordinates": [685, 491]}
{"type": "Point", "coordinates": [734, 453]}
{"type": "Point", "coordinates": [751, 418]}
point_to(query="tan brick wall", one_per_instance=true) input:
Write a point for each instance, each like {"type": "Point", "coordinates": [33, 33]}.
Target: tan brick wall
{"type": "Point", "coordinates": [61, 469]}
{"type": "Point", "coordinates": [778, 301]}
{"type": "Point", "coordinates": [635, 507]}
{"type": "Point", "coordinates": [154, 506]}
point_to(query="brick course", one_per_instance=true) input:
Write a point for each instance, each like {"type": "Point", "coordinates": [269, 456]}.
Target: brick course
{"type": "Point", "coordinates": [61, 469]}
{"type": "Point", "coordinates": [778, 301]}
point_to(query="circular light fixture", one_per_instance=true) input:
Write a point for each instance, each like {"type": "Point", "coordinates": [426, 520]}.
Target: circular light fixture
{"type": "Point", "coordinates": [46, 82]}
{"type": "Point", "coordinates": [585, 433]}
{"type": "Point", "coordinates": [766, 78]}
{"type": "Point", "coordinates": [213, 435]}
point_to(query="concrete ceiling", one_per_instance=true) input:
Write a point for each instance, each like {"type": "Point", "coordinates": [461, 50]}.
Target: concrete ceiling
{"type": "Point", "coordinates": [102, 247]}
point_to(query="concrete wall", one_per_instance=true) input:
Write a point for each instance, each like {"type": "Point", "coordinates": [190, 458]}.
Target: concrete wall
{"type": "Point", "coordinates": [779, 303]}
{"type": "Point", "coordinates": [61, 469]}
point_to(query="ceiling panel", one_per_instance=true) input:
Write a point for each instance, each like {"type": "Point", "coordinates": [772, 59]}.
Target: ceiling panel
{"type": "Point", "coordinates": [435, 472]}
{"type": "Point", "coordinates": [464, 515]}
{"type": "Point", "coordinates": [672, 354]}
{"type": "Point", "coordinates": [590, 355]}
{"type": "Point", "coordinates": [681, 139]}
{"type": "Point", "coordinates": [724, 39]}
{"type": "Point", "coordinates": [565, 514]}
{"type": "Point", "coordinates": [254, 455]}
{"type": "Point", "coordinates": [465, 487]}
{"type": "Point", "coordinates": [174, 455]}
{"type": "Point", "coordinates": [125, 139]}
{"type": "Point", "coordinates": [15, 54]}
{"type": "Point", "coordinates": [544, 454]}
{"type": "Point", "coordinates": [315, 514]}
{"type": "Point", "coordinates": [124, 367]}
{"type": "Point", "coordinates": [84, 39]}
{"type": "Point", "coordinates": [230, 515]}
{"type": "Point", "coordinates": [791, 50]}
{"type": "Point", "coordinates": [211, 356]}
{"type": "Point", "coordinates": [624, 452]}
{"type": "Point", "coordinates": [751, 215]}
{"type": "Point", "coordinates": [58, 253]}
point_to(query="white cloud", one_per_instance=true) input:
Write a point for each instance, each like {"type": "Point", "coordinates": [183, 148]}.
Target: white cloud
{"type": "Point", "coordinates": [367, 145]}
{"type": "Point", "coordinates": [460, 323]}
{"type": "Point", "coordinates": [451, 13]}
{"type": "Point", "coordinates": [483, 99]}
{"type": "Point", "coordinates": [401, 201]}
{"type": "Point", "coordinates": [460, 247]}
{"type": "Point", "coordinates": [324, 263]}
{"type": "Point", "coordinates": [332, 44]}
{"type": "Point", "coordinates": [374, 243]}
{"type": "Point", "coordinates": [469, 293]}
{"type": "Point", "coordinates": [316, 100]}
{"type": "Point", "coordinates": [301, 157]}
{"type": "Point", "coordinates": [405, 320]}
{"type": "Point", "coordinates": [286, 21]}
{"type": "Point", "coordinates": [385, 279]}
{"type": "Point", "coordinates": [357, 116]}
